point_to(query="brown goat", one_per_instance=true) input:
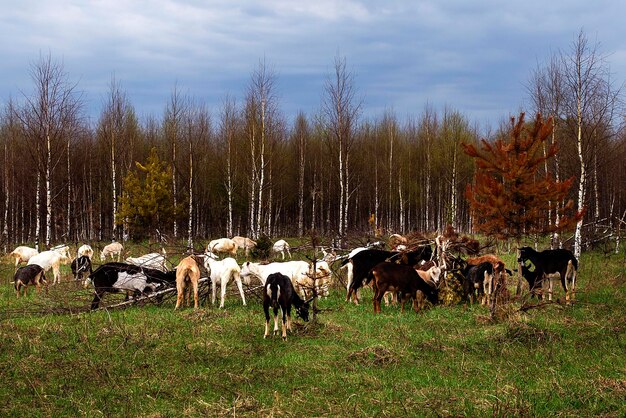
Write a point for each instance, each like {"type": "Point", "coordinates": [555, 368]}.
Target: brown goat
{"type": "Point", "coordinates": [187, 270]}
{"type": "Point", "coordinates": [400, 278]}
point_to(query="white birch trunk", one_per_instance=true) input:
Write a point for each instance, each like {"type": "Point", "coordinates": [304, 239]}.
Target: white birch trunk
{"type": "Point", "coordinates": [347, 198]}
{"type": "Point", "coordinates": [453, 194]}
{"type": "Point", "coordinates": [5, 228]}
{"type": "Point", "coordinates": [37, 210]}
{"type": "Point", "coordinates": [401, 202]}
{"type": "Point", "coordinates": [341, 189]}
{"type": "Point", "coordinates": [113, 184]}
{"type": "Point", "coordinates": [390, 173]}
{"type": "Point", "coordinates": [581, 183]}
{"type": "Point", "coordinates": [253, 181]}
{"type": "Point", "coordinates": [48, 192]}
{"type": "Point", "coordinates": [261, 173]}
{"type": "Point", "coordinates": [174, 188]}
{"type": "Point", "coordinates": [376, 197]}
{"type": "Point", "coordinates": [229, 185]}
{"type": "Point", "coordinates": [190, 215]}
{"type": "Point", "coordinates": [69, 191]}
{"type": "Point", "coordinates": [301, 187]}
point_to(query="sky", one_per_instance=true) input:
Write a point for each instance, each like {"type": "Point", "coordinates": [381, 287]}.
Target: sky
{"type": "Point", "coordinates": [475, 57]}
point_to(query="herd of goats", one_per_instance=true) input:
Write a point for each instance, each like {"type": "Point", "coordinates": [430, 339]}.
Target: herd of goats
{"type": "Point", "coordinates": [405, 272]}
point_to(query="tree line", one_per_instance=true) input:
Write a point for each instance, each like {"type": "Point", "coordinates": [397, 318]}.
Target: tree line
{"type": "Point", "coordinates": [244, 169]}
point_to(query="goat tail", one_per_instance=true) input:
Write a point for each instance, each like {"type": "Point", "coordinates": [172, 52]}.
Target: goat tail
{"type": "Point", "coordinates": [369, 277]}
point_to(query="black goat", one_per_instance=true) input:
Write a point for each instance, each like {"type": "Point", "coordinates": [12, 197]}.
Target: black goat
{"type": "Point", "coordinates": [81, 267]}
{"type": "Point", "coordinates": [30, 275]}
{"type": "Point", "coordinates": [478, 282]}
{"type": "Point", "coordinates": [279, 293]}
{"type": "Point", "coordinates": [364, 261]}
{"type": "Point", "coordinates": [550, 262]}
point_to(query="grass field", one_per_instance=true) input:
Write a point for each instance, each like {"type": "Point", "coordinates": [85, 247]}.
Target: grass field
{"type": "Point", "coordinates": [447, 361]}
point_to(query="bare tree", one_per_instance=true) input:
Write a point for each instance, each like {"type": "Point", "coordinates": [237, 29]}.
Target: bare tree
{"type": "Point", "coordinates": [261, 115]}
{"type": "Point", "coordinates": [227, 135]}
{"type": "Point", "coordinates": [301, 136]}
{"type": "Point", "coordinates": [341, 110]}
{"type": "Point", "coordinates": [116, 126]}
{"type": "Point", "coordinates": [586, 78]}
{"type": "Point", "coordinates": [172, 126]}
{"type": "Point", "coordinates": [546, 91]}
{"type": "Point", "coordinates": [49, 117]}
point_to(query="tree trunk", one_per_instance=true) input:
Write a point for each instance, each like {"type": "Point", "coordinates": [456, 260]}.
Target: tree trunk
{"type": "Point", "coordinates": [261, 172]}
{"type": "Point", "coordinates": [113, 184]}
{"type": "Point", "coordinates": [48, 192]}
{"type": "Point", "coordinates": [301, 186]}
{"type": "Point", "coordinates": [190, 218]}
{"type": "Point", "coordinates": [581, 183]}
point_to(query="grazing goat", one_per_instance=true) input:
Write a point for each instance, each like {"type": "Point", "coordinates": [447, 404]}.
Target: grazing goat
{"type": "Point", "coordinates": [50, 259]}
{"type": "Point", "coordinates": [279, 293]}
{"type": "Point", "coordinates": [549, 262]}
{"type": "Point", "coordinates": [114, 248]}
{"type": "Point", "coordinates": [153, 260]}
{"type": "Point", "coordinates": [365, 260]}
{"type": "Point", "coordinates": [246, 243]}
{"type": "Point", "coordinates": [281, 246]}
{"type": "Point", "coordinates": [402, 279]}
{"type": "Point", "coordinates": [22, 254]}
{"type": "Point", "coordinates": [117, 277]}
{"type": "Point", "coordinates": [222, 246]}
{"type": "Point", "coordinates": [478, 283]}
{"type": "Point", "coordinates": [31, 275]}
{"type": "Point", "coordinates": [221, 273]}
{"type": "Point", "coordinates": [187, 271]}
{"type": "Point", "coordinates": [85, 249]}
{"type": "Point", "coordinates": [81, 267]}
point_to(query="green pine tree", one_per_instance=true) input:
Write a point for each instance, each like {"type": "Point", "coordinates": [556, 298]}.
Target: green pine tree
{"type": "Point", "coordinates": [146, 202]}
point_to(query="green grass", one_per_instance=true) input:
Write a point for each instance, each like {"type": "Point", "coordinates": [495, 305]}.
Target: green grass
{"type": "Point", "coordinates": [152, 361]}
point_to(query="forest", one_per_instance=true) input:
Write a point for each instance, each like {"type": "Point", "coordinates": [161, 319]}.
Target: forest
{"type": "Point", "coordinates": [246, 169]}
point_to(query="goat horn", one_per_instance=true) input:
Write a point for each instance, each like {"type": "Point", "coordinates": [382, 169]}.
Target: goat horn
{"type": "Point", "coordinates": [307, 301]}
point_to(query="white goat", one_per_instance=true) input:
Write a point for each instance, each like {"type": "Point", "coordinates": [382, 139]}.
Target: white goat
{"type": "Point", "coordinates": [323, 276]}
{"type": "Point", "coordinates": [221, 272]}
{"type": "Point", "coordinates": [246, 243]}
{"type": "Point", "coordinates": [85, 249]}
{"type": "Point", "coordinates": [114, 248]}
{"type": "Point", "coordinates": [281, 246]}
{"type": "Point", "coordinates": [153, 260]}
{"type": "Point", "coordinates": [295, 270]}
{"type": "Point", "coordinates": [222, 245]}
{"type": "Point", "coordinates": [50, 259]}
{"type": "Point", "coordinates": [22, 254]}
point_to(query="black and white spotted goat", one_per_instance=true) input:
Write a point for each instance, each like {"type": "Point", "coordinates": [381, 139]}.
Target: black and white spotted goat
{"type": "Point", "coordinates": [135, 280]}
{"type": "Point", "coordinates": [279, 293]}
{"type": "Point", "coordinates": [81, 267]}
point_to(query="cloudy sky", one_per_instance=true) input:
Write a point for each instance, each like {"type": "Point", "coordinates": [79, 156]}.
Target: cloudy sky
{"type": "Point", "coordinates": [473, 56]}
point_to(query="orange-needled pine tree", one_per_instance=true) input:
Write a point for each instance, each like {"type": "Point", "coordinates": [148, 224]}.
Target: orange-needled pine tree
{"type": "Point", "coordinates": [512, 195]}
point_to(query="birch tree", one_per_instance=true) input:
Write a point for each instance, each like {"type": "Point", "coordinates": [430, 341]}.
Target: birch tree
{"type": "Point", "coordinates": [301, 136]}
{"type": "Point", "coordinates": [585, 75]}
{"type": "Point", "coordinates": [227, 135]}
{"type": "Point", "coordinates": [261, 115]}
{"type": "Point", "coordinates": [116, 126]}
{"type": "Point", "coordinates": [341, 110]}
{"type": "Point", "coordinates": [172, 126]}
{"type": "Point", "coordinates": [48, 117]}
